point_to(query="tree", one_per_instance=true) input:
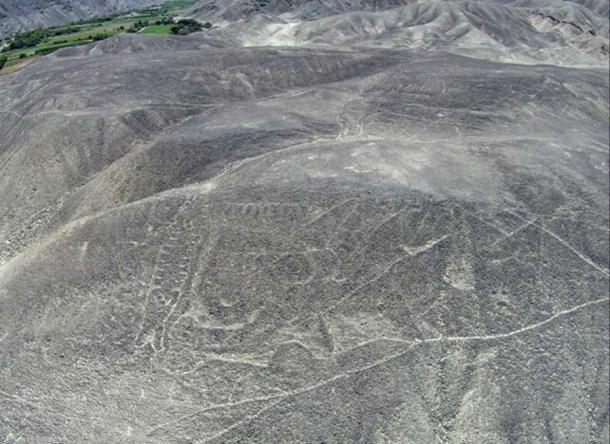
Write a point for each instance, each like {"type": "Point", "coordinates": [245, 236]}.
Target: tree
{"type": "Point", "coordinates": [187, 26]}
{"type": "Point", "coordinates": [3, 60]}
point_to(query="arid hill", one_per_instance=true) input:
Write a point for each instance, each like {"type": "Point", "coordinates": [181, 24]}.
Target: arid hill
{"type": "Point", "coordinates": [354, 236]}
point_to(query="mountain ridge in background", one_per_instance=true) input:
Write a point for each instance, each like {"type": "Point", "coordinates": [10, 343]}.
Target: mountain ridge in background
{"type": "Point", "coordinates": [564, 33]}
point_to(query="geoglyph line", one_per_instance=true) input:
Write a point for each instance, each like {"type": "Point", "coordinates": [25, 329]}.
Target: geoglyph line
{"type": "Point", "coordinates": [447, 339]}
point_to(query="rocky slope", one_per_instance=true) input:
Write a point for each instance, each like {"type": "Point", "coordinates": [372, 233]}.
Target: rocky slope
{"type": "Point", "coordinates": [22, 15]}
{"type": "Point", "coordinates": [202, 241]}
{"type": "Point", "coordinates": [563, 33]}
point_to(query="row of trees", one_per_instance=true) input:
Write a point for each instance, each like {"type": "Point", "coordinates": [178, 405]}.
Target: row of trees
{"type": "Point", "coordinates": [140, 24]}
{"type": "Point", "coordinates": [32, 38]}
{"type": "Point", "coordinates": [181, 27]}
{"type": "Point", "coordinates": [164, 21]}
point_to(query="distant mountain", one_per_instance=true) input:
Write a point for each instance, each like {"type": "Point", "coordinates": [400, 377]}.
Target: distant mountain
{"type": "Point", "coordinates": [22, 15]}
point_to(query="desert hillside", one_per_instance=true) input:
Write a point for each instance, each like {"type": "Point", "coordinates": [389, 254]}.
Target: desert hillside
{"type": "Point", "coordinates": [322, 221]}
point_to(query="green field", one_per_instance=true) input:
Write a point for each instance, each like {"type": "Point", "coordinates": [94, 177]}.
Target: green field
{"type": "Point", "coordinates": [152, 20]}
{"type": "Point", "coordinates": [157, 29]}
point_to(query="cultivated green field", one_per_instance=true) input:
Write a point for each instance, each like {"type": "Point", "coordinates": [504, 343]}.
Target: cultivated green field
{"type": "Point", "coordinates": [157, 29]}
{"type": "Point", "coordinates": [154, 20]}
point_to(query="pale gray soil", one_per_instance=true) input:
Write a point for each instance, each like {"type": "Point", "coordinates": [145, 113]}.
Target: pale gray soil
{"type": "Point", "coordinates": [202, 242]}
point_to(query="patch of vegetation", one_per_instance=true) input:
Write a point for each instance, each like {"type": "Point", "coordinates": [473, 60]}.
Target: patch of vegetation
{"type": "Point", "coordinates": [138, 25]}
{"type": "Point", "coordinates": [187, 26]}
{"type": "Point", "coordinates": [153, 20]}
{"type": "Point", "coordinates": [32, 38]}
{"type": "Point", "coordinates": [44, 50]}
{"type": "Point", "coordinates": [158, 29]}
{"type": "Point", "coordinates": [3, 60]}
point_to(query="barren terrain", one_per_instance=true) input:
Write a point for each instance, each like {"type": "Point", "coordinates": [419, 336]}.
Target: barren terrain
{"type": "Point", "coordinates": [386, 223]}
